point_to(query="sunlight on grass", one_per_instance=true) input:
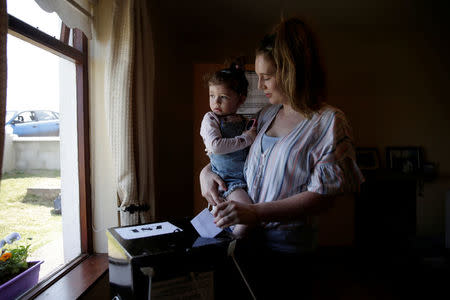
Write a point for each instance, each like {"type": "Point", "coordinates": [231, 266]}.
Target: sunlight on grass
{"type": "Point", "coordinates": [29, 215]}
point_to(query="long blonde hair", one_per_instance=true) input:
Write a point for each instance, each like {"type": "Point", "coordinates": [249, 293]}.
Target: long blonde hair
{"type": "Point", "coordinates": [293, 49]}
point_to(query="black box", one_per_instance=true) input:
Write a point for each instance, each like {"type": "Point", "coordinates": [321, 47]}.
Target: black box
{"type": "Point", "coordinates": [169, 260]}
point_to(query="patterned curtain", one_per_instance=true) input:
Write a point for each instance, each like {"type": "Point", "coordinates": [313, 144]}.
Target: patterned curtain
{"type": "Point", "coordinates": [3, 73]}
{"type": "Point", "coordinates": [129, 103]}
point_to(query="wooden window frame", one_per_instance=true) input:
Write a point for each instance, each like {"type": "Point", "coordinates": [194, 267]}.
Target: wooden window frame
{"type": "Point", "coordinates": [77, 54]}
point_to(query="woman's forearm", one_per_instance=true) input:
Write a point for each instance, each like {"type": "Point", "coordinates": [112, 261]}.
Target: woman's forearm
{"type": "Point", "coordinates": [205, 169]}
{"type": "Point", "coordinates": [295, 207]}
{"type": "Point", "coordinates": [209, 185]}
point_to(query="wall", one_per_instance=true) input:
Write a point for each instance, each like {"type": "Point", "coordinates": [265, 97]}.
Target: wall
{"type": "Point", "coordinates": [391, 82]}
{"type": "Point", "coordinates": [103, 194]}
{"type": "Point", "coordinates": [387, 68]}
{"type": "Point", "coordinates": [173, 116]}
{"type": "Point", "coordinates": [9, 154]}
{"type": "Point", "coordinates": [30, 153]}
{"type": "Point", "coordinates": [387, 64]}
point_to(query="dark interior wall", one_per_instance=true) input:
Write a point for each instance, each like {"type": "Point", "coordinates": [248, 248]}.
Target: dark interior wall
{"type": "Point", "coordinates": [387, 66]}
{"type": "Point", "coordinates": [173, 121]}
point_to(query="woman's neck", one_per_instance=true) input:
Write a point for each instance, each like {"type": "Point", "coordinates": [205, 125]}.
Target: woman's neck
{"type": "Point", "coordinates": [285, 121]}
{"type": "Point", "coordinates": [288, 111]}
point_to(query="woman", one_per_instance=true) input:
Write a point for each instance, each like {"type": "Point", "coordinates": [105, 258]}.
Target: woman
{"type": "Point", "coordinates": [302, 157]}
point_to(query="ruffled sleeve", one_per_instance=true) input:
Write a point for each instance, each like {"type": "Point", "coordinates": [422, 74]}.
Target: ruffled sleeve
{"type": "Point", "coordinates": [335, 170]}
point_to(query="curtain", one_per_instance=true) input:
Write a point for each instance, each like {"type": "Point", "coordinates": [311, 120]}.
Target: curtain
{"type": "Point", "coordinates": [3, 73]}
{"type": "Point", "coordinates": [129, 103]}
{"type": "Point", "coordinates": [73, 13]}
{"type": "Point", "coordinates": [143, 99]}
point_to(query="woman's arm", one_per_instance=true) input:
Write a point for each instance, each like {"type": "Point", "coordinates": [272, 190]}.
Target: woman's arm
{"type": "Point", "coordinates": [209, 185]}
{"type": "Point", "coordinates": [293, 208]}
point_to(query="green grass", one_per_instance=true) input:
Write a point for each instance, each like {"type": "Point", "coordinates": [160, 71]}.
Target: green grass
{"type": "Point", "coordinates": [29, 215]}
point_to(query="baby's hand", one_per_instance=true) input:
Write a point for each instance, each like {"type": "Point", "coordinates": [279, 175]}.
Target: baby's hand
{"type": "Point", "coordinates": [251, 133]}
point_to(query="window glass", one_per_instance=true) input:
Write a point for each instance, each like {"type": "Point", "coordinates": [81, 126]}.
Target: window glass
{"type": "Point", "coordinates": [42, 115]}
{"type": "Point", "coordinates": [25, 117]}
{"type": "Point", "coordinates": [39, 186]}
{"type": "Point", "coordinates": [29, 12]}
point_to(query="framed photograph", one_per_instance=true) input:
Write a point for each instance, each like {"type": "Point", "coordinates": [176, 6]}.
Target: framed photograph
{"type": "Point", "coordinates": [367, 158]}
{"type": "Point", "coordinates": [407, 160]}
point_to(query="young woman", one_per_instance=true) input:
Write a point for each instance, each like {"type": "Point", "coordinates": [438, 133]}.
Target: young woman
{"type": "Point", "coordinates": [302, 157]}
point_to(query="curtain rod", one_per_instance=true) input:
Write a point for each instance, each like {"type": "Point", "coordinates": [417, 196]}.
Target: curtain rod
{"type": "Point", "coordinates": [80, 8]}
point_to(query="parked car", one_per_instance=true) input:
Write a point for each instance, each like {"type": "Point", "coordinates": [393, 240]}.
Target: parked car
{"type": "Point", "coordinates": [33, 122]}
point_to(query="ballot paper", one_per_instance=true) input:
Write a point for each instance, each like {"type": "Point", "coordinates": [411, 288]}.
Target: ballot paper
{"type": "Point", "coordinates": [142, 231]}
{"type": "Point", "coordinates": [204, 224]}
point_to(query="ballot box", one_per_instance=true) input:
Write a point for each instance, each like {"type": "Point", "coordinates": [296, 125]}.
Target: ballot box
{"type": "Point", "coordinates": [164, 260]}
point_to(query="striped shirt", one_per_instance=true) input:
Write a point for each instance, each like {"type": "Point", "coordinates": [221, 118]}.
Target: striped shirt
{"type": "Point", "coordinates": [317, 155]}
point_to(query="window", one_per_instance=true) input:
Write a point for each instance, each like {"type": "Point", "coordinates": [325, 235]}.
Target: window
{"type": "Point", "coordinates": [64, 120]}
{"type": "Point", "coordinates": [29, 12]}
{"type": "Point", "coordinates": [25, 117]}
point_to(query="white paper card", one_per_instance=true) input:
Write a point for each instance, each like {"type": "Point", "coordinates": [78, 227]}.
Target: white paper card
{"type": "Point", "coordinates": [204, 224]}
{"type": "Point", "coordinates": [146, 230]}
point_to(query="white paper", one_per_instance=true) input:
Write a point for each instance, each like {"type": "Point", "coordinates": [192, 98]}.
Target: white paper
{"type": "Point", "coordinates": [146, 230]}
{"type": "Point", "coordinates": [204, 224]}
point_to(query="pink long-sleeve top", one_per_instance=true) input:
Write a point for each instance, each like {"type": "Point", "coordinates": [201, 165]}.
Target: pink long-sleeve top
{"type": "Point", "coordinates": [212, 137]}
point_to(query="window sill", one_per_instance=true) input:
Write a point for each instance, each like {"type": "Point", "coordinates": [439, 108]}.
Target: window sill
{"type": "Point", "coordinates": [75, 282]}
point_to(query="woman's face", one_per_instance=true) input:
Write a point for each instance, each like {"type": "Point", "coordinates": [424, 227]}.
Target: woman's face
{"type": "Point", "coordinates": [223, 101]}
{"type": "Point", "coordinates": [266, 71]}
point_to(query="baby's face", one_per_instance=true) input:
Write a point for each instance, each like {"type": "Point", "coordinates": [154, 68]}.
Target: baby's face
{"type": "Point", "coordinates": [223, 101]}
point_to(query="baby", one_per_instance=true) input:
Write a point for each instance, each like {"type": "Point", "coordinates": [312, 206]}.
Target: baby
{"type": "Point", "coordinates": [225, 133]}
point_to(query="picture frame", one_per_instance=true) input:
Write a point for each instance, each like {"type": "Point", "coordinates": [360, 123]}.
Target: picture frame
{"type": "Point", "coordinates": [368, 158]}
{"type": "Point", "coordinates": [408, 160]}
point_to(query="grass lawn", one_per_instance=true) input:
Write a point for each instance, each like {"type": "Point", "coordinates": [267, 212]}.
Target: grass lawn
{"type": "Point", "coordinates": [29, 215]}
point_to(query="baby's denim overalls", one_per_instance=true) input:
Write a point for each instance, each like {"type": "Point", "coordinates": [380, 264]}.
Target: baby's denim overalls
{"type": "Point", "coordinates": [230, 166]}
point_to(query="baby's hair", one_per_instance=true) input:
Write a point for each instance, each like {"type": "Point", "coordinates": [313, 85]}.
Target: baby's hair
{"type": "Point", "coordinates": [232, 77]}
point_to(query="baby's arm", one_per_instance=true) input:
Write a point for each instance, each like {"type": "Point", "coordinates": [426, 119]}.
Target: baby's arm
{"type": "Point", "coordinates": [215, 143]}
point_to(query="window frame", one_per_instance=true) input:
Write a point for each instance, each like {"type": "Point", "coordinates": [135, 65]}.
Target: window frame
{"type": "Point", "coordinates": [77, 54]}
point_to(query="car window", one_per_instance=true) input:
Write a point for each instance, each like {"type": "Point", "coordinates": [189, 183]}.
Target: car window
{"type": "Point", "coordinates": [44, 115]}
{"type": "Point", "coordinates": [24, 117]}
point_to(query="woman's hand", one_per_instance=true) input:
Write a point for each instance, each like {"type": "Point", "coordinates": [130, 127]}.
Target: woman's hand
{"type": "Point", "coordinates": [232, 212]}
{"type": "Point", "coordinates": [209, 185]}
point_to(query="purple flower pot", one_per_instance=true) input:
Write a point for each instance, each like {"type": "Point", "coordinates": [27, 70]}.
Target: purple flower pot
{"type": "Point", "coordinates": [22, 282]}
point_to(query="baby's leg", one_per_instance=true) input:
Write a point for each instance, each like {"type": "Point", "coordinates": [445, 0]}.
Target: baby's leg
{"type": "Point", "coordinates": [239, 195]}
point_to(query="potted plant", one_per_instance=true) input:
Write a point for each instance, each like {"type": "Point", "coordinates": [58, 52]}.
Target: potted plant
{"type": "Point", "coordinates": [17, 275]}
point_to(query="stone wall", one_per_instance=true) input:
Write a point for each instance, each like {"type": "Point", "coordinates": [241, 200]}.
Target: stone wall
{"type": "Point", "coordinates": [31, 153]}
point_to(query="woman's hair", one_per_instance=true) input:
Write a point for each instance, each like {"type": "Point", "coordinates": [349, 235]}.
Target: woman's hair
{"type": "Point", "coordinates": [232, 77]}
{"type": "Point", "coordinates": [293, 49]}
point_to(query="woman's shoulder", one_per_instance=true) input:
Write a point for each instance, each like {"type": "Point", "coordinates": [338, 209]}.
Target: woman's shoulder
{"type": "Point", "coordinates": [327, 112]}
{"type": "Point", "coordinates": [329, 116]}
{"type": "Point", "coordinates": [329, 109]}
{"type": "Point", "coordinates": [268, 111]}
